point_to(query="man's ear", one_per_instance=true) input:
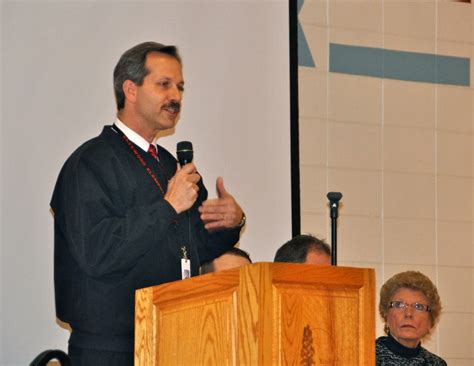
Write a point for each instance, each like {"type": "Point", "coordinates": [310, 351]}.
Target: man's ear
{"type": "Point", "coordinates": [130, 90]}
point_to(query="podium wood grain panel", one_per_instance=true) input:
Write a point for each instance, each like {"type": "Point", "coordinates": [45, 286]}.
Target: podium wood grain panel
{"type": "Point", "coordinates": [260, 314]}
{"type": "Point", "coordinates": [145, 330]}
{"type": "Point", "coordinates": [212, 324]}
{"type": "Point", "coordinates": [328, 311]}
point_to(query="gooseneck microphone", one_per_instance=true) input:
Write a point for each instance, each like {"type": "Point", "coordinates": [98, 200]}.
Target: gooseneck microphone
{"type": "Point", "coordinates": [334, 198]}
{"type": "Point", "coordinates": [184, 152]}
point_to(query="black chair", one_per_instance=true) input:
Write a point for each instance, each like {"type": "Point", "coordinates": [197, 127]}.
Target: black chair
{"type": "Point", "coordinates": [52, 354]}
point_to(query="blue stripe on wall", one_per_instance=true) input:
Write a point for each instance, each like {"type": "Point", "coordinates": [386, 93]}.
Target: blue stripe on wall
{"type": "Point", "coordinates": [399, 65]}
{"type": "Point", "coordinates": [304, 53]}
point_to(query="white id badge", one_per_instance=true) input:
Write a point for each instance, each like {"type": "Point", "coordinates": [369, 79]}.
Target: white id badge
{"type": "Point", "coordinates": [185, 268]}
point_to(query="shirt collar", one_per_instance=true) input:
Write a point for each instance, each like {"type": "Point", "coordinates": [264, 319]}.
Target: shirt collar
{"type": "Point", "coordinates": [132, 135]}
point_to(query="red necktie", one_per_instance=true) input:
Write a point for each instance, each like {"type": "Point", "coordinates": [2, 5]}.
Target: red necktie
{"type": "Point", "coordinates": [152, 151]}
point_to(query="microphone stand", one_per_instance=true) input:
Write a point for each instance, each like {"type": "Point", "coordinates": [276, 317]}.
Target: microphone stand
{"type": "Point", "coordinates": [334, 198]}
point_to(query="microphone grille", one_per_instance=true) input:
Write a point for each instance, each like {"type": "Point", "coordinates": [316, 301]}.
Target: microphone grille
{"type": "Point", "coordinates": [334, 196]}
{"type": "Point", "coordinates": [184, 152]}
{"type": "Point", "coordinates": [184, 146]}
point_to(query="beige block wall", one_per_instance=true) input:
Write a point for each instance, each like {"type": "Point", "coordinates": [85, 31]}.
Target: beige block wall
{"type": "Point", "coordinates": [401, 153]}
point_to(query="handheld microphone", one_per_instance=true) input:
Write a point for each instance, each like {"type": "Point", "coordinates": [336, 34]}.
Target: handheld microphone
{"type": "Point", "coordinates": [184, 152]}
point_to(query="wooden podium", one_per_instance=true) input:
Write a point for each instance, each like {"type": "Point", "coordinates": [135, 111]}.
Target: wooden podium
{"type": "Point", "coordinates": [259, 314]}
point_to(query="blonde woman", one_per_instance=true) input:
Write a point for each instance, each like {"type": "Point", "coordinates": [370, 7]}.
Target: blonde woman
{"type": "Point", "coordinates": [410, 306]}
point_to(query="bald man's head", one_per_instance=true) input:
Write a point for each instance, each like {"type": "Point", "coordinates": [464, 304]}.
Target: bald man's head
{"type": "Point", "coordinates": [233, 258]}
{"type": "Point", "coordinates": [304, 249]}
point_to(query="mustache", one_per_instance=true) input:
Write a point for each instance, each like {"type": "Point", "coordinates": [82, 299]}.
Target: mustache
{"type": "Point", "coordinates": [174, 106]}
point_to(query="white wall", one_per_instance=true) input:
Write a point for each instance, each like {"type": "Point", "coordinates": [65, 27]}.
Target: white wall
{"type": "Point", "coordinates": [57, 61]}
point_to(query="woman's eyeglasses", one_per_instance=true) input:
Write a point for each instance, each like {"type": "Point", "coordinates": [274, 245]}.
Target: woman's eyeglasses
{"type": "Point", "coordinates": [402, 305]}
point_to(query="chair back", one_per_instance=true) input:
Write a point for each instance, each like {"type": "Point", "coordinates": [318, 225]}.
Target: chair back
{"type": "Point", "coordinates": [52, 354]}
